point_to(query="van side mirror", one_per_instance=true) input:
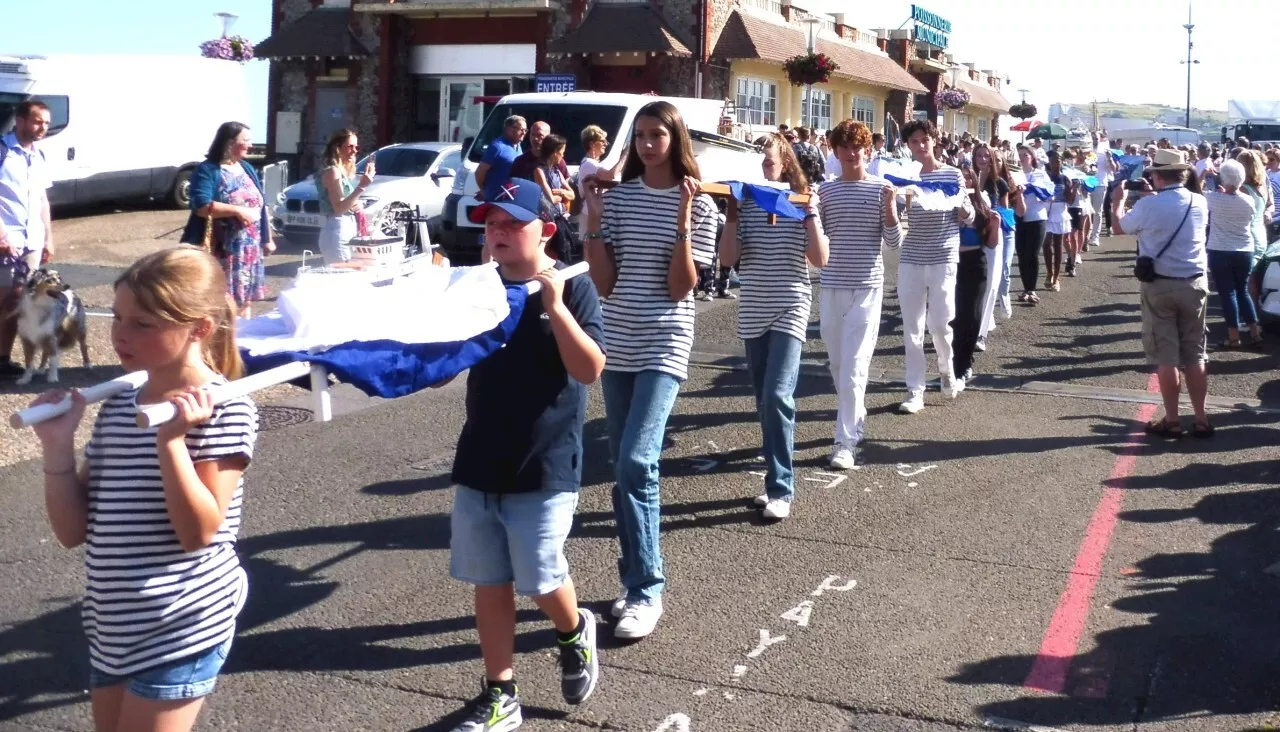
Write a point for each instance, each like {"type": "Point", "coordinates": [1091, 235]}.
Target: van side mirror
{"type": "Point", "coordinates": [443, 173]}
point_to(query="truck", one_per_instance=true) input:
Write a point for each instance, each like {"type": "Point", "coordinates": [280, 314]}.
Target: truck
{"type": "Point", "coordinates": [719, 157]}
{"type": "Point", "coordinates": [124, 127]}
{"type": "Point", "coordinates": [1256, 120]}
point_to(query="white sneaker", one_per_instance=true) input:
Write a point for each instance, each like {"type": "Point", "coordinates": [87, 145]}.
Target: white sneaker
{"type": "Point", "coordinates": [762, 500]}
{"type": "Point", "coordinates": [1006, 307]}
{"type": "Point", "coordinates": [777, 509]}
{"type": "Point", "coordinates": [842, 458]}
{"type": "Point", "coordinates": [981, 345]}
{"type": "Point", "coordinates": [912, 405]}
{"type": "Point", "coordinates": [619, 606]}
{"type": "Point", "coordinates": [639, 619]}
{"type": "Point", "coordinates": [952, 386]}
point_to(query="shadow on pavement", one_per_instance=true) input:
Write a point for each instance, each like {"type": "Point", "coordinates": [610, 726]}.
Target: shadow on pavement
{"type": "Point", "coordinates": [1205, 641]}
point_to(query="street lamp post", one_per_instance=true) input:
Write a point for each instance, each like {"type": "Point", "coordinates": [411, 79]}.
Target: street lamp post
{"type": "Point", "coordinates": [807, 114]}
{"type": "Point", "coordinates": [1189, 26]}
{"type": "Point", "coordinates": [227, 20]}
{"type": "Point", "coordinates": [1023, 92]}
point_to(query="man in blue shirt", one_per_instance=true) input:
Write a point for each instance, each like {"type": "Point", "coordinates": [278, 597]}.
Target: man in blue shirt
{"type": "Point", "coordinates": [495, 166]}
{"type": "Point", "coordinates": [26, 238]}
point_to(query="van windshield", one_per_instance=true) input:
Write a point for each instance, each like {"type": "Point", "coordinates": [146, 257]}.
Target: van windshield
{"type": "Point", "coordinates": [566, 120]}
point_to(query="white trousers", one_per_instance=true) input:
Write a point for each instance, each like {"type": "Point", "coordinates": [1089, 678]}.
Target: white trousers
{"type": "Point", "coordinates": [995, 266]}
{"type": "Point", "coordinates": [1098, 198]}
{"type": "Point", "coordinates": [850, 326]}
{"type": "Point", "coordinates": [926, 291]}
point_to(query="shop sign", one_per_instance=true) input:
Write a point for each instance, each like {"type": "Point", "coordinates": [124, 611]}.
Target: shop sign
{"type": "Point", "coordinates": [930, 28]}
{"type": "Point", "coordinates": [550, 83]}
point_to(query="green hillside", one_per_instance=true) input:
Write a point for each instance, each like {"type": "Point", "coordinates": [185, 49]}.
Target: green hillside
{"type": "Point", "coordinates": [1200, 118]}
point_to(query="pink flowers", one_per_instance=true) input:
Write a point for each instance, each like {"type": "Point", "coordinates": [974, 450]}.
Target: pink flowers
{"type": "Point", "coordinates": [228, 48]}
{"type": "Point", "coordinates": [953, 98]}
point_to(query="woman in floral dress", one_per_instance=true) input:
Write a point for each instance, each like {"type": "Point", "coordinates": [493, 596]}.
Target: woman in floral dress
{"type": "Point", "coordinates": [226, 188]}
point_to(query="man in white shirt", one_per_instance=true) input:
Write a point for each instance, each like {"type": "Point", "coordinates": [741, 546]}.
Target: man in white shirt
{"type": "Point", "coordinates": [1106, 169]}
{"type": "Point", "coordinates": [1170, 221]}
{"type": "Point", "coordinates": [26, 237]}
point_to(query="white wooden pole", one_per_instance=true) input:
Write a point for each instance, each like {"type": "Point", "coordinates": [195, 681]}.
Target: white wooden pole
{"type": "Point", "coordinates": [157, 414]}
{"type": "Point", "coordinates": [321, 404]}
{"type": "Point", "coordinates": [96, 393]}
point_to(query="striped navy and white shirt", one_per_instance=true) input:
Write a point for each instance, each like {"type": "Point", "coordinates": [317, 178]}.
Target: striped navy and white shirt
{"type": "Point", "coordinates": [776, 292]}
{"type": "Point", "coordinates": [934, 236]}
{"type": "Point", "coordinates": [147, 601]}
{"type": "Point", "coordinates": [852, 214]}
{"type": "Point", "coordinates": [1230, 219]}
{"type": "Point", "coordinates": [643, 329]}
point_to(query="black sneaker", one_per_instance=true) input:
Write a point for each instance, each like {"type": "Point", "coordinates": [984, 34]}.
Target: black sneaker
{"type": "Point", "coordinates": [10, 370]}
{"type": "Point", "coordinates": [726, 295]}
{"type": "Point", "coordinates": [494, 711]}
{"type": "Point", "coordinates": [579, 666]}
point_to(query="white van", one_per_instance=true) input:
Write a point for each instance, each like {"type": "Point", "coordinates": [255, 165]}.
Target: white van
{"type": "Point", "coordinates": [1143, 136]}
{"type": "Point", "coordinates": [720, 158]}
{"type": "Point", "coordinates": [124, 127]}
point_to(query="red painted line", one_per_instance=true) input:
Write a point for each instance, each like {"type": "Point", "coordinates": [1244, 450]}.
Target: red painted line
{"type": "Point", "coordinates": [1062, 639]}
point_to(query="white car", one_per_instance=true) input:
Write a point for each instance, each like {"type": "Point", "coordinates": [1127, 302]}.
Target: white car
{"type": "Point", "coordinates": [409, 176]}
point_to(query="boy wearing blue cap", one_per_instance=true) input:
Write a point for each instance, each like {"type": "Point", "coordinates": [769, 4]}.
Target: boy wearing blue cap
{"type": "Point", "coordinates": [518, 466]}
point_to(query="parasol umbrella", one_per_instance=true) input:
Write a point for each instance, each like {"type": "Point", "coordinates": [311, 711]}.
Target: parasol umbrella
{"type": "Point", "coordinates": [1026, 125]}
{"type": "Point", "coordinates": [1049, 131]}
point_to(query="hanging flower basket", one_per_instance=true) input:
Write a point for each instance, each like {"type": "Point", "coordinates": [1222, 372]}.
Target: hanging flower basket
{"type": "Point", "coordinates": [809, 68]}
{"type": "Point", "coordinates": [953, 98]}
{"type": "Point", "coordinates": [1023, 111]}
{"type": "Point", "coordinates": [228, 48]}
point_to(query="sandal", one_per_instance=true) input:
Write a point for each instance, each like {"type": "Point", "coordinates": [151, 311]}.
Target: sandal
{"type": "Point", "coordinates": [1057, 287]}
{"type": "Point", "coordinates": [1164, 428]}
{"type": "Point", "coordinates": [1202, 430]}
{"type": "Point", "coordinates": [1256, 342]}
{"type": "Point", "coordinates": [1229, 344]}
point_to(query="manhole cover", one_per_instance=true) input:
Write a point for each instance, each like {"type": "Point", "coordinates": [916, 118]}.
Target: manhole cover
{"type": "Point", "coordinates": [274, 417]}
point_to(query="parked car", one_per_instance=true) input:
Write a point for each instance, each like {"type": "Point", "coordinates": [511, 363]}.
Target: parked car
{"type": "Point", "coordinates": [412, 175]}
{"type": "Point", "coordinates": [1266, 284]}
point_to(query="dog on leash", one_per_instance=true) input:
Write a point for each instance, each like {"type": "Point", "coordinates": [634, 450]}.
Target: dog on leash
{"type": "Point", "coordinates": [51, 318]}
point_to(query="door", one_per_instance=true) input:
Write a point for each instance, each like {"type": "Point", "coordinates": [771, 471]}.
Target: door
{"type": "Point", "coordinates": [331, 116]}
{"type": "Point", "coordinates": [461, 109]}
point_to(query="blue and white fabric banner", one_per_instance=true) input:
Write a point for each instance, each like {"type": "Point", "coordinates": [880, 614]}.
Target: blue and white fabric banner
{"type": "Point", "coordinates": [388, 340]}
{"type": "Point", "coordinates": [930, 195]}
{"type": "Point", "coordinates": [1039, 185]}
{"type": "Point", "coordinates": [774, 198]}
{"type": "Point", "coordinates": [1089, 182]}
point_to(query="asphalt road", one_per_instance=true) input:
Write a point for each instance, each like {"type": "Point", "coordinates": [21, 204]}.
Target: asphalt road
{"type": "Point", "coordinates": [1010, 559]}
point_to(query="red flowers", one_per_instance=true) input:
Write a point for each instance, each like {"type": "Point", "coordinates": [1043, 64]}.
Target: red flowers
{"type": "Point", "coordinates": [809, 68]}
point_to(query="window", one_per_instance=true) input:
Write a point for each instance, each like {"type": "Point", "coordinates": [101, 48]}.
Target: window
{"type": "Point", "coordinates": [984, 128]}
{"type": "Point", "coordinates": [404, 162]}
{"type": "Point", "coordinates": [819, 117]}
{"type": "Point", "coordinates": [864, 111]}
{"type": "Point", "coordinates": [59, 111]}
{"type": "Point", "coordinates": [452, 161]}
{"type": "Point", "coordinates": [757, 102]}
{"type": "Point", "coordinates": [961, 122]}
{"type": "Point", "coordinates": [566, 120]}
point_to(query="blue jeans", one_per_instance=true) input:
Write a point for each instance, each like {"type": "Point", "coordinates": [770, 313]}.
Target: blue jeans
{"type": "Point", "coordinates": [1230, 271]}
{"type": "Point", "coordinates": [636, 408]}
{"type": "Point", "coordinates": [1006, 271]}
{"type": "Point", "coordinates": [774, 362]}
{"type": "Point", "coordinates": [184, 678]}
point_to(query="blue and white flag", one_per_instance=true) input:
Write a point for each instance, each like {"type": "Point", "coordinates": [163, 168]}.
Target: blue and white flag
{"type": "Point", "coordinates": [1089, 182]}
{"type": "Point", "coordinates": [1039, 185]}
{"type": "Point", "coordinates": [368, 336]}
{"type": "Point", "coordinates": [929, 195]}
{"type": "Point", "coordinates": [774, 198]}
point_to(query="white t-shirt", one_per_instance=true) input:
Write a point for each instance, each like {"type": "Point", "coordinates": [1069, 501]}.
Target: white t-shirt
{"type": "Point", "coordinates": [585, 168]}
{"type": "Point", "coordinates": [1105, 165]}
{"type": "Point", "coordinates": [833, 166]}
{"type": "Point", "coordinates": [643, 329]}
{"type": "Point", "coordinates": [148, 601]}
{"type": "Point", "coordinates": [776, 292]}
{"type": "Point", "coordinates": [1037, 210]}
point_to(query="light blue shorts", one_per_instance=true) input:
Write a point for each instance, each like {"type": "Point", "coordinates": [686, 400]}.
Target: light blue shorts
{"type": "Point", "coordinates": [514, 538]}
{"type": "Point", "coordinates": [184, 678]}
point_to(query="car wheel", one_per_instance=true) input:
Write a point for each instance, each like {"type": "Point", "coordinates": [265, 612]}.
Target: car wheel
{"type": "Point", "coordinates": [180, 196]}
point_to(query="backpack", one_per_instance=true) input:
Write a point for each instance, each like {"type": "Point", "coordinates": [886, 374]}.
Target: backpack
{"type": "Point", "coordinates": [811, 162]}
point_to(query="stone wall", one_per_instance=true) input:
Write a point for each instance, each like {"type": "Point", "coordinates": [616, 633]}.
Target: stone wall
{"type": "Point", "coordinates": [364, 110]}
{"type": "Point", "coordinates": [402, 83]}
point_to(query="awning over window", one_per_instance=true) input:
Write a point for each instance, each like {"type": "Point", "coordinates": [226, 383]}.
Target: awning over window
{"type": "Point", "coordinates": [981, 95]}
{"type": "Point", "coordinates": [627, 28]}
{"type": "Point", "coordinates": [746, 36]}
{"type": "Point", "coordinates": [322, 33]}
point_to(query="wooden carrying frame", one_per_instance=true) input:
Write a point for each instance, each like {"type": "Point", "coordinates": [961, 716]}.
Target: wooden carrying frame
{"type": "Point", "coordinates": [721, 190]}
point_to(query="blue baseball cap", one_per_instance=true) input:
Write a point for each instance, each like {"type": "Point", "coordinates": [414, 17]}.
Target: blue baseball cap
{"type": "Point", "coordinates": [519, 197]}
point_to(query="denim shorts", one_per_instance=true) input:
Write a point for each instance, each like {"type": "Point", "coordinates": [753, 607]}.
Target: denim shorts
{"type": "Point", "coordinates": [184, 678]}
{"type": "Point", "coordinates": [516, 537]}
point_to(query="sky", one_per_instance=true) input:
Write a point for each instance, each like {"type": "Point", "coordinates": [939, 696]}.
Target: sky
{"type": "Point", "coordinates": [1057, 50]}
{"type": "Point", "coordinates": [161, 27]}
{"type": "Point", "coordinates": [1056, 56]}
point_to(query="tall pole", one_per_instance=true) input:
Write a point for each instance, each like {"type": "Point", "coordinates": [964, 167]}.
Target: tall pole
{"type": "Point", "coordinates": [1189, 26]}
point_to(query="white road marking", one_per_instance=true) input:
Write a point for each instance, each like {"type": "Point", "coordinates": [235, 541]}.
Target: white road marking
{"type": "Point", "coordinates": [739, 671]}
{"type": "Point", "coordinates": [766, 640]}
{"type": "Point", "coordinates": [831, 479]}
{"type": "Point", "coordinates": [759, 473]}
{"type": "Point", "coordinates": [912, 473]}
{"type": "Point", "coordinates": [829, 584]}
{"type": "Point", "coordinates": [800, 613]}
{"type": "Point", "coordinates": [1013, 724]}
{"type": "Point", "coordinates": [701, 692]}
{"type": "Point", "coordinates": [675, 723]}
{"type": "Point", "coordinates": [912, 485]}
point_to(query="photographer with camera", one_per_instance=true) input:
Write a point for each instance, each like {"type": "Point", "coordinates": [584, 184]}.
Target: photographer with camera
{"type": "Point", "coordinates": [1169, 220]}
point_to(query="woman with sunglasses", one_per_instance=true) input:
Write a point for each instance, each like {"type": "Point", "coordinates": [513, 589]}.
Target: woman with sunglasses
{"type": "Point", "coordinates": [340, 192]}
